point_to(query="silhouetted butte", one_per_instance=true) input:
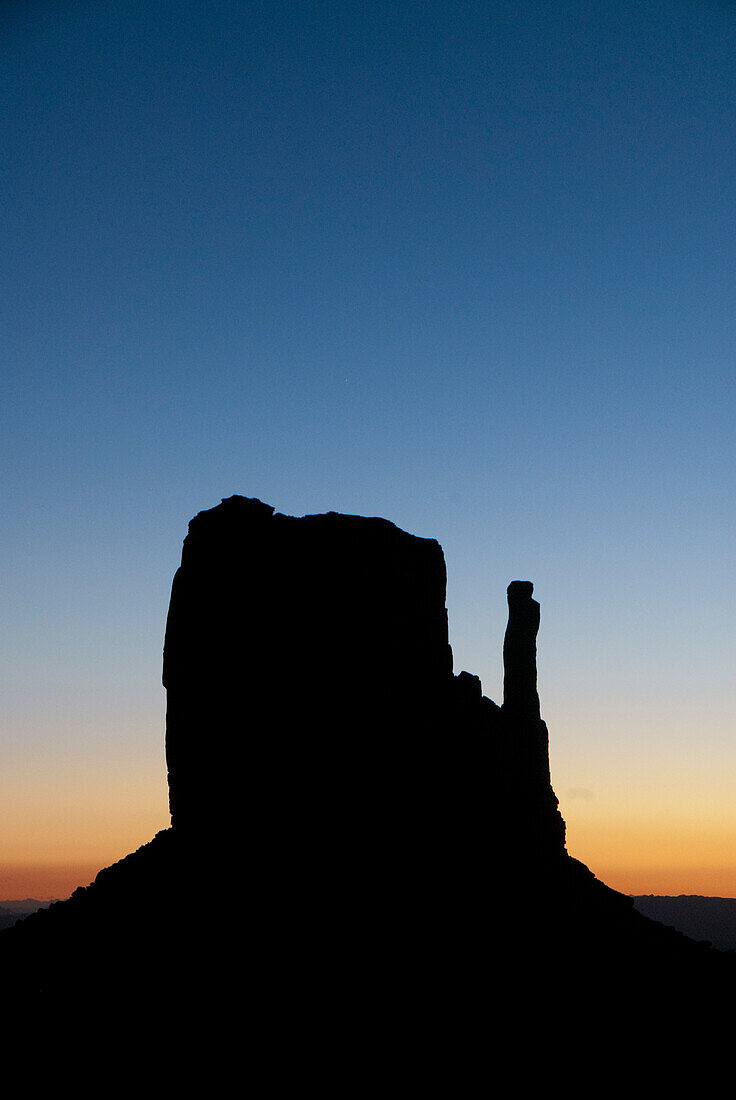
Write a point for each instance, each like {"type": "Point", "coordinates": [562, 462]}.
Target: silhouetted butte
{"type": "Point", "coordinates": [394, 834]}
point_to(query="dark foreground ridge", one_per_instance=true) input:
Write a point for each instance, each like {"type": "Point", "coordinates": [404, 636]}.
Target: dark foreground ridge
{"type": "Point", "coordinates": [394, 833]}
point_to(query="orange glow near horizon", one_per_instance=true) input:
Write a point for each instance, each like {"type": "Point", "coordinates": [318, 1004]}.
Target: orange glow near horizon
{"type": "Point", "coordinates": [657, 856]}
{"type": "Point", "coordinates": [712, 882]}
{"type": "Point", "coordinates": [61, 826]}
{"type": "Point", "coordinates": [60, 880]}
{"type": "Point", "coordinates": [45, 881]}
{"type": "Point", "coordinates": [676, 838]}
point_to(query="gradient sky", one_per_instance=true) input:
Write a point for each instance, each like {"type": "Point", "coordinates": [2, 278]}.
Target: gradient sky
{"type": "Point", "coordinates": [467, 265]}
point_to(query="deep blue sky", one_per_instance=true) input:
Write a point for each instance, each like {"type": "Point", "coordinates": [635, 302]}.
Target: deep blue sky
{"type": "Point", "coordinates": [470, 266]}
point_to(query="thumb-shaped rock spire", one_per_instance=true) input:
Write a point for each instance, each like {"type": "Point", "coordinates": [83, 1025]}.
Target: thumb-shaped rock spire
{"type": "Point", "coordinates": [538, 825]}
{"type": "Point", "coordinates": [520, 651]}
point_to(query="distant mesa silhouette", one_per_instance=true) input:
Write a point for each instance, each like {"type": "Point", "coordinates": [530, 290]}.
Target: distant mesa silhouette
{"type": "Point", "coordinates": [394, 833]}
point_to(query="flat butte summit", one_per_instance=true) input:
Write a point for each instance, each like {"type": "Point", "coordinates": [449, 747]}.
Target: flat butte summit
{"type": "Point", "coordinates": [390, 835]}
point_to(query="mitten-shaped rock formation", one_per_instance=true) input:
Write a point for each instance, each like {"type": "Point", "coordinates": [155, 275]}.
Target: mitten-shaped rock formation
{"type": "Point", "coordinates": [393, 834]}
{"type": "Point", "coordinates": [311, 698]}
{"type": "Point", "coordinates": [315, 729]}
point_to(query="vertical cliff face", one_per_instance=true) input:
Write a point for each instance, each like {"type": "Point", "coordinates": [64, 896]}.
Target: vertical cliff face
{"type": "Point", "coordinates": [295, 649]}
